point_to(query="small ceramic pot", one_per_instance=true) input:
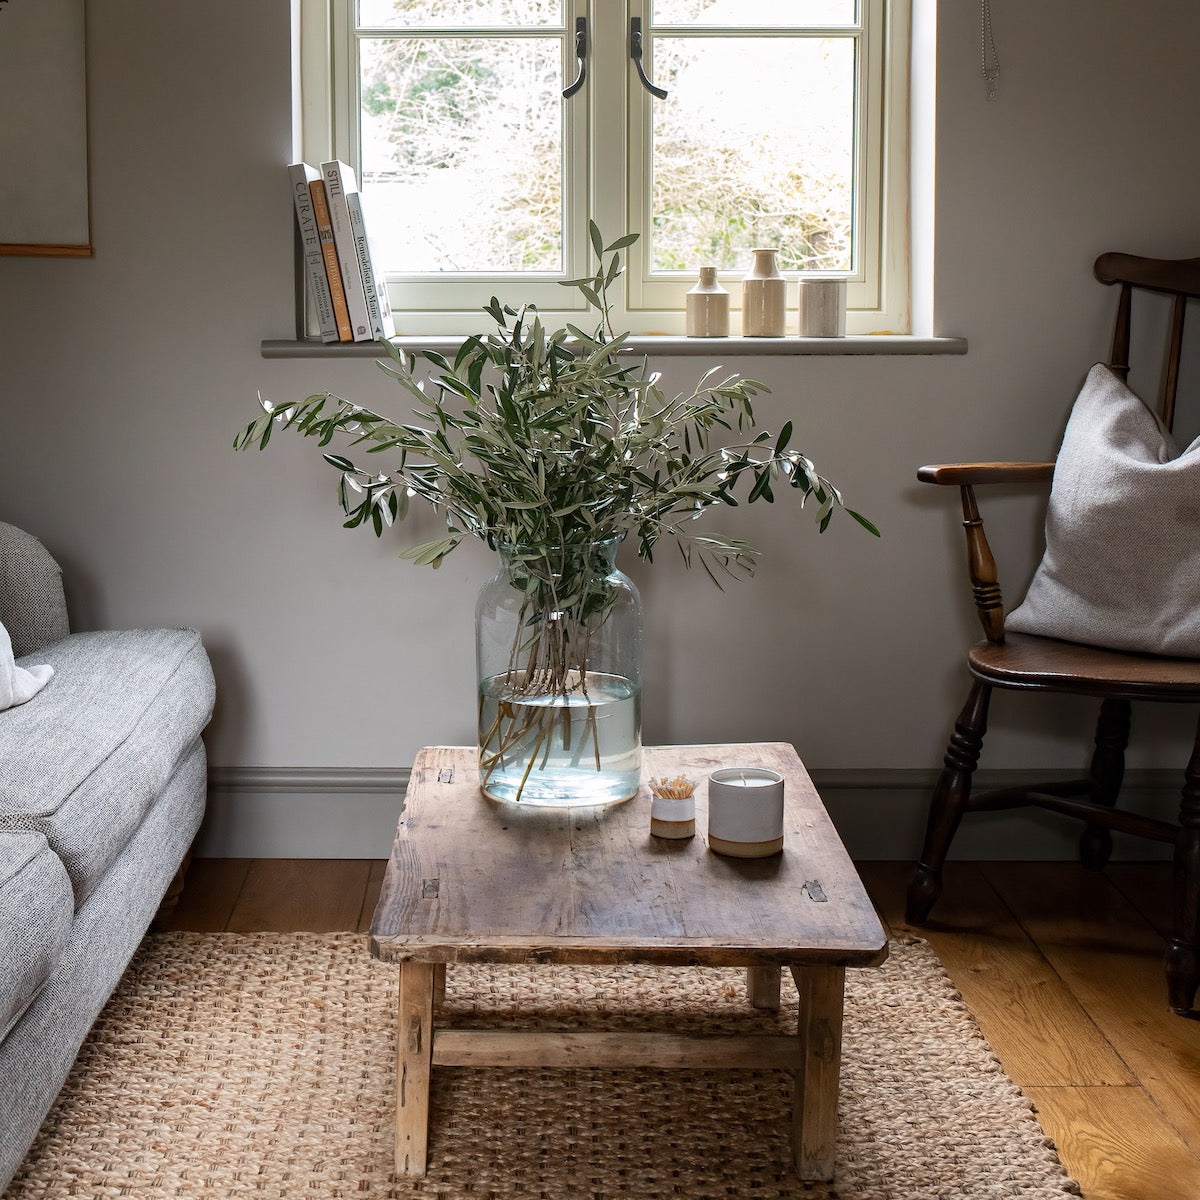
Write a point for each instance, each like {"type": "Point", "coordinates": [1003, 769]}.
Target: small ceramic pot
{"type": "Point", "coordinates": [673, 817]}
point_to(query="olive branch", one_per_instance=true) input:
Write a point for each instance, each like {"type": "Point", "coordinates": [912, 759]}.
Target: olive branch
{"type": "Point", "coordinates": [558, 439]}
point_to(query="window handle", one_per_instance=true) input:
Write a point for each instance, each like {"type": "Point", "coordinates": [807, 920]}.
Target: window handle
{"type": "Point", "coordinates": [635, 52]}
{"type": "Point", "coordinates": [581, 57]}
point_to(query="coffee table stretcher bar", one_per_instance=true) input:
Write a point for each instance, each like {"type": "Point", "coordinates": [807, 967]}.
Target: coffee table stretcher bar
{"type": "Point", "coordinates": [422, 950]}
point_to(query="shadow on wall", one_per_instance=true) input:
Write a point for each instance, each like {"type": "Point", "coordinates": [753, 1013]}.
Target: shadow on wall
{"type": "Point", "coordinates": [234, 706]}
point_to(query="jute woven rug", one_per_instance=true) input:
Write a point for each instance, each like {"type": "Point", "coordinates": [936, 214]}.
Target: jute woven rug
{"type": "Point", "coordinates": [263, 1066]}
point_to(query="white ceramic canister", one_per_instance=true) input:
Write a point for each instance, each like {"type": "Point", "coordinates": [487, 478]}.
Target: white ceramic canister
{"type": "Point", "coordinates": [822, 308]}
{"type": "Point", "coordinates": [708, 306]}
{"type": "Point", "coordinates": [745, 812]}
{"type": "Point", "coordinates": [764, 297]}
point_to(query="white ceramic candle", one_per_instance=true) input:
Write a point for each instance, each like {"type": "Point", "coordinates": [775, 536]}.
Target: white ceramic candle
{"type": "Point", "coordinates": [745, 812]}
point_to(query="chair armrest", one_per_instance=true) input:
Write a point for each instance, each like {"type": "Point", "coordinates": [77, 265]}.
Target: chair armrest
{"type": "Point", "coordinates": [32, 606]}
{"type": "Point", "coordinates": [981, 564]}
{"type": "Point", "coordinates": [992, 472]}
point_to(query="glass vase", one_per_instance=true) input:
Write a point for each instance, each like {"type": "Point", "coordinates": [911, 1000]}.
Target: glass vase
{"type": "Point", "coordinates": [559, 656]}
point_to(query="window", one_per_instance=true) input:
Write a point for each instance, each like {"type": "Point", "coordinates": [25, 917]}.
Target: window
{"type": "Point", "coordinates": [783, 125]}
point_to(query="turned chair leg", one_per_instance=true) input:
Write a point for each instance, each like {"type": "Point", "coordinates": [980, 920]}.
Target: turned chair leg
{"type": "Point", "coordinates": [1183, 950]}
{"type": "Point", "coordinates": [949, 801]}
{"type": "Point", "coordinates": [1105, 775]}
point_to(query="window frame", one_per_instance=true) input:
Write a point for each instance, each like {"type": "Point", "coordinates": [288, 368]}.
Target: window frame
{"type": "Point", "coordinates": [614, 151]}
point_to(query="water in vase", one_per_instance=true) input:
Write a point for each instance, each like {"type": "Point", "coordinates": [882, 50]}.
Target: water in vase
{"type": "Point", "coordinates": [554, 750]}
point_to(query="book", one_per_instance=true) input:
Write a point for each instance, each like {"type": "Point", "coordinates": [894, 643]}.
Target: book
{"type": "Point", "coordinates": [301, 175]}
{"type": "Point", "coordinates": [333, 272]}
{"type": "Point", "coordinates": [379, 308]}
{"type": "Point", "coordinates": [338, 179]}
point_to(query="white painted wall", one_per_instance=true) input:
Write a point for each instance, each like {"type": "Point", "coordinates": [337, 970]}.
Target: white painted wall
{"type": "Point", "coordinates": [124, 378]}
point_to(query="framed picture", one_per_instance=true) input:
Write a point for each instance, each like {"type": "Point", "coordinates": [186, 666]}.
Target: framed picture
{"type": "Point", "coordinates": [43, 130]}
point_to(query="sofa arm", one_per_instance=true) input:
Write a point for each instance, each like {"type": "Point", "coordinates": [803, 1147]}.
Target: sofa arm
{"type": "Point", "coordinates": [32, 606]}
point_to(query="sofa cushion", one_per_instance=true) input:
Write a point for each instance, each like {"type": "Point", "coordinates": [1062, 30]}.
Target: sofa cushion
{"type": "Point", "coordinates": [37, 1054]}
{"type": "Point", "coordinates": [32, 604]}
{"type": "Point", "coordinates": [83, 760]}
{"type": "Point", "coordinates": [36, 910]}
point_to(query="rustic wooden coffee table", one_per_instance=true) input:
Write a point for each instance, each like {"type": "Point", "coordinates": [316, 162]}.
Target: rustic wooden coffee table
{"type": "Point", "coordinates": [471, 880]}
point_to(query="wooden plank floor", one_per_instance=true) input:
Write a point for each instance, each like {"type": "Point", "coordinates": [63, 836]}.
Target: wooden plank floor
{"type": "Point", "coordinates": [1061, 967]}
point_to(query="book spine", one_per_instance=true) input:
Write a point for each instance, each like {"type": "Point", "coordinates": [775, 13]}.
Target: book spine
{"type": "Point", "coordinates": [301, 175]}
{"type": "Point", "coordinates": [333, 272]}
{"type": "Point", "coordinates": [378, 308]}
{"type": "Point", "coordinates": [343, 239]}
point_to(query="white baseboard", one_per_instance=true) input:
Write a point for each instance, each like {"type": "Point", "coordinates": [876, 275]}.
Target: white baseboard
{"type": "Point", "coordinates": [880, 814]}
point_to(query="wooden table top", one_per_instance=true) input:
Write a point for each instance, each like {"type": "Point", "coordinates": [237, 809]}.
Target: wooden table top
{"type": "Point", "coordinates": [474, 880]}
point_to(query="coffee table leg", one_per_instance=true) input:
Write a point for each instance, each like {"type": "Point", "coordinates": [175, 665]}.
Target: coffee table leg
{"type": "Point", "coordinates": [815, 1099]}
{"type": "Point", "coordinates": [413, 1065]}
{"type": "Point", "coordinates": [762, 986]}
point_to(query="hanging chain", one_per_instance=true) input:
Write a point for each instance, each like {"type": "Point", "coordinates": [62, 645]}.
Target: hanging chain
{"type": "Point", "coordinates": [987, 50]}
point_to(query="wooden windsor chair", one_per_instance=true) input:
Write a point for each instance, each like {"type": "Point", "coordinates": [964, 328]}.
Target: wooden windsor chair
{"type": "Point", "coordinates": [1029, 663]}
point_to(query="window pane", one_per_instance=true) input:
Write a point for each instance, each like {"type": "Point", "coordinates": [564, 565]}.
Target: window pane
{"type": "Point", "coordinates": [462, 156]}
{"type": "Point", "coordinates": [754, 12]}
{"type": "Point", "coordinates": [753, 147]}
{"type": "Point", "coordinates": [400, 14]}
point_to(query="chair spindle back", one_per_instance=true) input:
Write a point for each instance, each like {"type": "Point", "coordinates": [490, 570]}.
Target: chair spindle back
{"type": "Point", "coordinates": [1174, 277]}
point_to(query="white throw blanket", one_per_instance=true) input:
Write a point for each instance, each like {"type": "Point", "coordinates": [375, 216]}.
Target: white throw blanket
{"type": "Point", "coordinates": [16, 683]}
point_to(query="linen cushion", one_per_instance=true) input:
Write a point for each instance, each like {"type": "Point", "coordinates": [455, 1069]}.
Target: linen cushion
{"type": "Point", "coordinates": [84, 759]}
{"type": "Point", "coordinates": [36, 910]}
{"type": "Point", "coordinates": [1121, 567]}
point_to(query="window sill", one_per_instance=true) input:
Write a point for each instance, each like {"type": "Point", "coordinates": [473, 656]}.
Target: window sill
{"type": "Point", "coordinates": [668, 345]}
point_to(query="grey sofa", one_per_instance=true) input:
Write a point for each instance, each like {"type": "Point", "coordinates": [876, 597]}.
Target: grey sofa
{"type": "Point", "coordinates": [102, 789]}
